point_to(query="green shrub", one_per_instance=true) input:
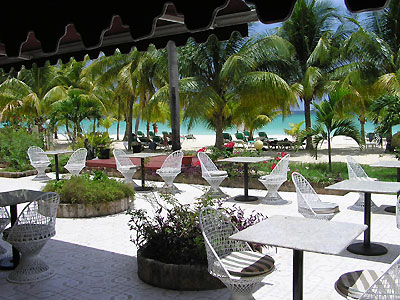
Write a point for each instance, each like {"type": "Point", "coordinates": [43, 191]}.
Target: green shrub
{"type": "Point", "coordinates": [84, 190]}
{"type": "Point", "coordinates": [14, 145]}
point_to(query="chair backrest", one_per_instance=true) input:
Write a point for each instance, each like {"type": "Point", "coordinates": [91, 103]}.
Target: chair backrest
{"type": "Point", "coordinates": [387, 286]}
{"type": "Point", "coordinates": [207, 165]}
{"type": "Point", "coordinates": [121, 159]}
{"type": "Point", "coordinates": [151, 133]}
{"type": "Point", "coordinates": [125, 143]}
{"type": "Point", "coordinates": [281, 167]}
{"type": "Point", "coordinates": [262, 134]}
{"type": "Point", "coordinates": [4, 218]}
{"type": "Point", "coordinates": [157, 139]}
{"type": "Point", "coordinates": [240, 136]}
{"type": "Point", "coordinates": [246, 133]}
{"type": "Point", "coordinates": [174, 160]}
{"type": "Point", "coordinates": [140, 133]}
{"type": "Point", "coordinates": [305, 192]}
{"type": "Point", "coordinates": [216, 230]}
{"type": "Point", "coordinates": [78, 157]}
{"type": "Point", "coordinates": [354, 169]}
{"type": "Point", "coordinates": [37, 220]}
{"type": "Point", "coordinates": [36, 154]}
{"type": "Point", "coordinates": [227, 136]}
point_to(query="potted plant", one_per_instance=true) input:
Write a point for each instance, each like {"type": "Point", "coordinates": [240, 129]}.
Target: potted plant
{"type": "Point", "coordinates": [171, 251]}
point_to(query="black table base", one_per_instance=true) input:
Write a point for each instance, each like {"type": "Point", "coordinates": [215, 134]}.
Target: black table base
{"type": "Point", "coordinates": [244, 198]}
{"type": "Point", "coordinates": [143, 188]}
{"type": "Point", "coordinates": [391, 209]}
{"type": "Point", "coordinates": [371, 250]}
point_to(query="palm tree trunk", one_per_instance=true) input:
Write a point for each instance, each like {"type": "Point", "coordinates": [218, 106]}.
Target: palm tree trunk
{"type": "Point", "coordinates": [219, 137]}
{"type": "Point", "coordinates": [329, 153]}
{"type": "Point", "coordinates": [362, 130]}
{"type": "Point", "coordinates": [129, 123]}
{"type": "Point", "coordinates": [307, 123]}
{"type": "Point", "coordinates": [118, 116]}
{"type": "Point", "coordinates": [137, 122]}
{"type": "Point", "coordinates": [174, 95]}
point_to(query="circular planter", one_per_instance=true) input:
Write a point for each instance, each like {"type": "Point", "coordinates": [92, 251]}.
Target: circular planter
{"type": "Point", "coordinates": [66, 210]}
{"type": "Point", "coordinates": [175, 277]}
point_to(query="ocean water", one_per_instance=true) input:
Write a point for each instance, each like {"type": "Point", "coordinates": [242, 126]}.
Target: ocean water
{"type": "Point", "coordinates": [276, 127]}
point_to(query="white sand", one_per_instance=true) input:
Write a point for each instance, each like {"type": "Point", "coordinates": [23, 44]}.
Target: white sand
{"type": "Point", "coordinates": [341, 146]}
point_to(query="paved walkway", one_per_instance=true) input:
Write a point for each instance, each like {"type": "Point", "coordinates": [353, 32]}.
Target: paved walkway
{"type": "Point", "coordinates": [94, 258]}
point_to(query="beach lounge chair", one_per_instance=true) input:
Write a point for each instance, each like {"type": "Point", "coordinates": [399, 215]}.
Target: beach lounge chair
{"type": "Point", "coordinates": [308, 202]}
{"type": "Point", "coordinates": [39, 161]}
{"type": "Point", "coordinates": [233, 262]}
{"type": "Point", "coordinates": [285, 145]}
{"type": "Point", "coordinates": [241, 139]}
{"type": "Point", "coordinates": [355, 171]}
{"type": "Point", "coordinates": [262, 135]}
{"type": "Point", "coordinates": [227, 137]}
{"type": "Point", "coordinates": [77, 161]}
{"type": "Point", "coordinates": [274, 180]}
{"type": "Point", "coordinates": [34, 227]}
{"type": "Point", "coordinates": [170, 168]}
{"type": "Point", "coordinates": [140, 133]}
{"type": "Point", "coordinates": [190, 137]}
{"type": "Point", "coordinates": [371, 284]}
{"type": "Point", "coordinates": [212, 175]}
{"type": "Point", "coordinates": [124, 165]}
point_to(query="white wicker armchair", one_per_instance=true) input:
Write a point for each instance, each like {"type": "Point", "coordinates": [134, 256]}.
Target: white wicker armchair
{"type": "Point", "coordinates": [77, 161]}
{"type": "Point", "coordinates": [125, 165]}
{"type": "Point", "coordinates": [212, 175]}
{"type": "Point", "coordinates": [4, 221]}
{"type": "Point", "coordinates": [387, 287]}
{"type": "Point", "coordinates": [308, 202]}
{"type": "Point", "coordinates": [274, 180]}
{"type": "Point", "coordinates": [170, 168]}
{"type": "Point", "coordinates": [357, 172]}
{"type": "Point", "coordinates": [371, 284]}
{"type": "Point", "coordinates": [34, 226]}
{"type": "Point", "coordinates": [39, 161]}
{"type": "Point", "coordinates": [233, 262]}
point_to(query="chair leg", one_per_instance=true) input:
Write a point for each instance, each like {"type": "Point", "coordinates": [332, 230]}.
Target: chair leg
{"type": "Point", "coordinates": [273, 197]}
{"type": "Point", "coordinates": [31, 267]}
{"type": "Point", "coordinates": [359, 204]}
{"type": "Point", "coordinates": [241, 290]}
{"type": "Point", "coordinates": [41, 174]}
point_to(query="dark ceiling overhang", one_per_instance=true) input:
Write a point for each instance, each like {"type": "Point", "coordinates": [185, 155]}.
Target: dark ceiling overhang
{"type": "Point", "coordinates": [40, 31]}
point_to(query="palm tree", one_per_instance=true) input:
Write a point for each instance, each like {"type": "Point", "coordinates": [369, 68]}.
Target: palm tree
{"type": "Point", "coordinates": [330, 124]}
{"type": "Point", "coordinates": [309, 31]}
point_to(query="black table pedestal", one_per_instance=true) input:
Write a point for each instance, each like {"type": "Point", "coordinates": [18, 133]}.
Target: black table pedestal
{"type": "Point", "coordinates": [246, 197]}
{"type": "Point", "coordinates": [297, 275]}
{"type": "Point", "coordinates": [142, 188]}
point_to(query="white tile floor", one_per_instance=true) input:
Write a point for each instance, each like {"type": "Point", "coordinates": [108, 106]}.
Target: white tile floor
{"type": "Point", "coordinates": [94, 258]}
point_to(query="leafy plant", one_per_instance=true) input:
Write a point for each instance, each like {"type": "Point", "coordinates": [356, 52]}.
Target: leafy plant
{"type": "Point", "coordinates": [14, 145]}
{"type": "Point", "coordinates": [86, 190]}
{"type": "Point", "coordinates": [172, 234]}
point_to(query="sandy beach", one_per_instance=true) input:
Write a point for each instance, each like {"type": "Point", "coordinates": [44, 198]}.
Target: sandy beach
{"type": "Point", "coordinates": [341, 147]}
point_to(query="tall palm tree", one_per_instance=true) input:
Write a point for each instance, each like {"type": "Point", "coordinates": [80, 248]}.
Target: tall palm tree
{"type": "Point", "coordinates": [309, 31]}
{"type": "Point", "coordinates": [329, 123]}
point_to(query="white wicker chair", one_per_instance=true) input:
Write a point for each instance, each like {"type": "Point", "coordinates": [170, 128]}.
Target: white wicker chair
{"type": "Point", "coordinates": [370, 284]}
{"type": "Point", "coordinates": [77, 161]}
{"type": "Point", "coordinates": [125, 165]}
{"type": "Point", "coordinates": [274, 180]}
{"type": "Point", "coordinates": [308, 202]}
{"type": "Point", "coordinates": [39, 161]}
{"type": "Point", "coordinates": [387, 287]}
{"type": "Point", "coordinates": [34, 226]}
{"type": "Point", "coordinates": [212, 175]}
{"type": "Point", "coordinates": [357, 172]}
{"type": "Point", "coordinates": [170, 168]}
{"type": "Point", "coordinates": [230, 260]}
{"type": "Point", "coordinates": [4, 221]}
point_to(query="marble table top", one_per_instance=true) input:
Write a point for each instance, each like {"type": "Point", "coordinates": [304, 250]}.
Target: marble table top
{"type": "Point", "coordinates": [364, 186]}
{"type": "Point", "coordinates": [144, 154]}
{"type": "Point", "coordinates": [387, 164]}
{"type": "Point", "coordinates": [18, 196]}
{"type": "Point", "coordinates": [321, 236]}
{"type": "Point", "coordinates": [246, 159]}
{"type": "Point", "coordinates": [56, 152]}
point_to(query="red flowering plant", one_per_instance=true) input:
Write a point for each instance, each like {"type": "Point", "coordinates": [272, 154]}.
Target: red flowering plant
{"type": "Point", "coordinates": [229, 145]}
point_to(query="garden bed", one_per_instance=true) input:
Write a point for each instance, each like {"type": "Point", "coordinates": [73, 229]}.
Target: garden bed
{"type": "Point", "coordinates": [67, 210]}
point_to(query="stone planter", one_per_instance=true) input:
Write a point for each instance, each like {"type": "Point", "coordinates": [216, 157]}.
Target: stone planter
{"type": "Point", "coordinates": [187, 161]}
{"type": "Point", "coordinates": [175, 277]}
{"type": "Point", "coordinates": [66, 210]}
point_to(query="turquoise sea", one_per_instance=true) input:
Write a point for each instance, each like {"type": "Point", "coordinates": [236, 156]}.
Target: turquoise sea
{"type": "Point", "coordinates": [275, 128]}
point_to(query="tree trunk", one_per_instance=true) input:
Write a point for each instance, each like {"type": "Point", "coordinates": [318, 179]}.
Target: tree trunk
{"type": "Point", "coordinates": [307, 119]}
{"type": "Point", "coordinates": [389, 135]}
{"type": "Point", "coordinates": [118, 116]}
{"type": "Point", "coordinates": [137, 121]}
{"type": "Point", "coordinates": [362, 131]}
{"type": "Point", "coordinates": [174, 95]}
{"type": "Point", "coordinates": [129, 123]}
{"type": "Point", "coordinates": [219, 137]}
{"type": "Point", "coordinates": [329, 153]}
